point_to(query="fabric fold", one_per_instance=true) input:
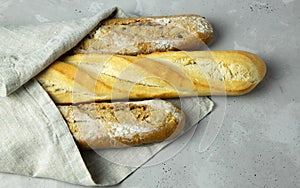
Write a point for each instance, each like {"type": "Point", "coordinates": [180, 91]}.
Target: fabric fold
{"type": "Point", "coordinates": [26, 50]}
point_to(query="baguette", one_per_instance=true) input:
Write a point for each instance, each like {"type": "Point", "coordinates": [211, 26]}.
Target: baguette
{"type": "Point", "coordinates": [115, 125]}
{"type": "Point", "coordinates": [95, 77]}
{"type": "Point", "coordinates": [132, 36]}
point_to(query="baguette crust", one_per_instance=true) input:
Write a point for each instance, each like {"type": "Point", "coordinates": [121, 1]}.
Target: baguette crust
{"type": "Point", "coordinates": [95, 77]}
{"type": "Point", "coordinates": [114, 125]}
{"type": "Point", "coordinates": [143, 35]}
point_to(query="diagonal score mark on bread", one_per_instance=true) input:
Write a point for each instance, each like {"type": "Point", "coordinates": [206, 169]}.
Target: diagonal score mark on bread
{"type": "Point", "coordinates": [135, 68]}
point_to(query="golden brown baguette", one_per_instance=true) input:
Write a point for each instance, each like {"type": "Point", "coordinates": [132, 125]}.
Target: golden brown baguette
{"type": "Point", "coordinates": [95, 77]}
{"type": "Point", "coordinates": [114, 125]}
{"type": "Point", "coordinates": [131, 36]}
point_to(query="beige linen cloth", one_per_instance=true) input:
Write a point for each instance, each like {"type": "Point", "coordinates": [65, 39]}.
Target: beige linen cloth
{"type": "Point", "coordinates": [35, 140]}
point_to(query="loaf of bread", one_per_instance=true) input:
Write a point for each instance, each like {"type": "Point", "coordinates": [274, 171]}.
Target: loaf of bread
{"type": "Point", "coordinates": [95, 77]}
{"type": "Point", "coordinates": [131, 36]}
{"type": "Point", "coordinates": [113, 125]}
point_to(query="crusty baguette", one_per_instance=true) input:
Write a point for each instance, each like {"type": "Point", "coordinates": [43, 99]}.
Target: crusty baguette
{"type": "Point", "coordinates": [131, 36]}
{"type": "Point", "coordinates": [113, 125]}
{"type": "Point", "coordinates": [95, 77]}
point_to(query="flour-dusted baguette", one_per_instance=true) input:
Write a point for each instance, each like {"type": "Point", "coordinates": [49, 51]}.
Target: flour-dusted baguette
{"type": "Point", "coordinates": [113, 125]}
{"type": "Point", "coordinates": [95, 77]}
{"type": "Point", "coordinates": [131, 36]}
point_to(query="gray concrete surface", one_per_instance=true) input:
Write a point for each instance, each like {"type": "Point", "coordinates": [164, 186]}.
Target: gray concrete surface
{"type": "Point", "coordinates": [258, 144]}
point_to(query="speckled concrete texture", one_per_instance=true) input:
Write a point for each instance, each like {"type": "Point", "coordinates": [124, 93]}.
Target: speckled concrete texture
{"type": "Point", "coordinates": [258, 144]}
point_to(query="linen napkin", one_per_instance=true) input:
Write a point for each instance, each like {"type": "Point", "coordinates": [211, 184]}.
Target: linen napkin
{"type": "Point", "coordinates": [35, 140]}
